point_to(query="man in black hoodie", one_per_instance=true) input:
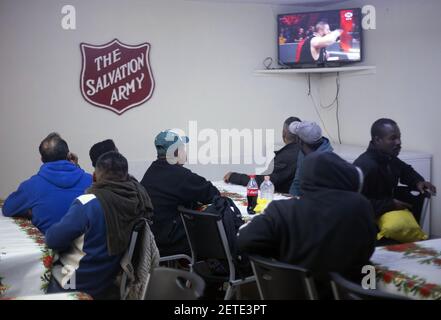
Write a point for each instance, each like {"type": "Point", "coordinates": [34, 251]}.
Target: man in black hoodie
{"type": "Point", "coordinates": [330, 228]}
{"type": "Point", "coordinates": [169, 185]}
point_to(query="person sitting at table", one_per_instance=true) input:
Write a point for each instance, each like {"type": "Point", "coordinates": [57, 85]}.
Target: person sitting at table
{"type": "Point", "coordinates": [47, 195]}
{"type": "Point", "coordinates": [281, 169]}
{"type": "Point", "coordinates": [310, 140]}
{"type": "Point", "coordinates": [93, 235]}
{"type": "Point", "coordinates": [383, 170]}
{"type": "Point", "coordinates": [330, 228]}
{"type": "Point", "coordinates": [100, 148]}
{"type": "Point", "coordinates": [169, 185]}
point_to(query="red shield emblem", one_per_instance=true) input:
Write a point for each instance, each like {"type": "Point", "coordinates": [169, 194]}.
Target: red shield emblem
{"type": "Point", "coordinates": [116, 76]}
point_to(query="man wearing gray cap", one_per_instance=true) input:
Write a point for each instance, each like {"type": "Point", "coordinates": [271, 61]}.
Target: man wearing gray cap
{"type": "Point", "coordinates": [311, 140]}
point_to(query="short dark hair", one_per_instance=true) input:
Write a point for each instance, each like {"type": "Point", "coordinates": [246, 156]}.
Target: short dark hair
{"type": "Point", "coordinates": [53, 148]}
{"type": "Point", "coordinates": [100, 148]}
{"type": "Point", "coordinates": [377, 129]}
{"type": "Point", "coordinates": [290, 136]}
{"type": "Point", "coordinates": [113, 166]}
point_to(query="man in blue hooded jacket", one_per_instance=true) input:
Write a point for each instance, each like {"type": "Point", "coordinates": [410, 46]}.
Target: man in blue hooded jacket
{"type": "Point", "coordinates": [310, 141]}
{"type": "Point", "coordinates": [47, 195]}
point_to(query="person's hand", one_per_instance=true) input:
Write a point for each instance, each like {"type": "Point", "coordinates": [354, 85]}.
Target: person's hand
{"type": "Point", "coordinates": [72, 157]}
{"type": "Point", "coordinates": [423, 186]}
{"type": "Point", "coordinates": [400, 205]}
{"type": "Point", "coordinates": [227, 177]}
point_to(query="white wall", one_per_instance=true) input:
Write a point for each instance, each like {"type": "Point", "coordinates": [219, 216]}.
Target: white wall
{"type": "Point", "coordinates": [405, 49]}
{"type": "Point", "coordinates": [203, 56]}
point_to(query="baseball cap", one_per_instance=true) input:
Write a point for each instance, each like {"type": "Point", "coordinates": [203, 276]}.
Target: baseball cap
{"type": "Point", "coordinates": [100, 148]}
{"type": "Point", "coordinates": [165, 139]}
{"type": "Point", "coordinates": [309, 132]}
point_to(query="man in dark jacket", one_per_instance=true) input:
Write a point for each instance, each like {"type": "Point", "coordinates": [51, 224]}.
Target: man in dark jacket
{"type": "Point", "coordinates": [47, 195]}
{"type": "Point", "coordinates": [383, 170]}
{"type": "Point", "coordinates": [330, 228]}
{"type": "Point", "coordinates": [169, 185]}
{"type": "Point", "coordinates": [281, 169]}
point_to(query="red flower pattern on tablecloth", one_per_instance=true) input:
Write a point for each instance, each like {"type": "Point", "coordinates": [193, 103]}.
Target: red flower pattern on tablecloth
{"type": "Point", "coordinates": [81, 296]}
{"type": "Point", "coordinates": [3, 287]}
{"type": "Point", "coordinates": [415, 251]}
{"type": "Point", "coordinates": [409, 285]}
{"type": "Point", "coordinates": [47, 254]}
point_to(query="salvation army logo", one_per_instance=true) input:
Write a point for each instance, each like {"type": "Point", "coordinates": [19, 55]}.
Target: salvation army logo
{"type": "Point", "coordinates": [116, 76]}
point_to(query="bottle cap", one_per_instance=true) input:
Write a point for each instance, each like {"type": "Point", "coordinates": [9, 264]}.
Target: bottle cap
{"type": "Point", "coordinates": [267, 178]}
{"type": "Point", "coordinates": [252, 175]}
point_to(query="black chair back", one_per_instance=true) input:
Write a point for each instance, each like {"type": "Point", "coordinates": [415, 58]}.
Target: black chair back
{"type": "Point", "coordinates": [344, 289]}
{"type": "Point", "coordinates": [206, 241]}
{"type": "Point", "coordinates": [416, 199]}
{"type": "Point", "coordinates": [282, 281]}
{"type": "Point", "coordinates": [174, 284]}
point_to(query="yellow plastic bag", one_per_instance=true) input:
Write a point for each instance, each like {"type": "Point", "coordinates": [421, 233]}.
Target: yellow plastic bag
{"type": "Point", "coordinates": [261, 205]}
{"type": "Point", "coordinates": [400, 225]}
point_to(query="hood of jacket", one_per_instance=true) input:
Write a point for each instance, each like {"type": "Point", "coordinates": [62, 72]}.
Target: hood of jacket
{"type": "Point", "coordinates": [64, 174]}
{"type": "Point", "coordinates": [326, 170]}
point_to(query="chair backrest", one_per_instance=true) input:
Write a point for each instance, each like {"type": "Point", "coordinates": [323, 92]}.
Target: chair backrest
{"type": "Point", "coordinates": [140, 258]}
{"type": "Point", "coordinates": [344, 289]}
{"type": "Point", "coordinates": [174, 284]}
{"type": "Point", "coordinates": [419, 201]}
{"type": "Point", "coordinates": [206, 236]}
{"type": "Point", "coordinates": [282, 281]}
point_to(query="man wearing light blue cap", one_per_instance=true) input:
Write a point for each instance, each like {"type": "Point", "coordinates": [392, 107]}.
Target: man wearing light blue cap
{"type": "Point", "coordinates": [169, 185]}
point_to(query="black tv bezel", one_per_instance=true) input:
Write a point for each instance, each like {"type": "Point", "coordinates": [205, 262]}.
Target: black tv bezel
{"type": "Point", "coordinates": [328, 64]}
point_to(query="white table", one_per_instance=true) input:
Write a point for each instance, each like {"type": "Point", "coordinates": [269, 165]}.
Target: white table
{"type": "Point", "coordinates": [25, 261]}
{"type": "Point", "coordinates": [239, 196]}
{"type": "Point", "coordinates": [411, 269]}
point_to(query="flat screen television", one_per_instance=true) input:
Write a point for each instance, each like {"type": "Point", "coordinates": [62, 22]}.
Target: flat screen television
{"type": "Point", "coordinates": [320, 39]}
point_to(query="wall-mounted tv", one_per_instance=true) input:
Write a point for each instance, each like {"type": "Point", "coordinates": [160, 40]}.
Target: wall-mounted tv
{"type": "Point", "coordinates": [323, 38]}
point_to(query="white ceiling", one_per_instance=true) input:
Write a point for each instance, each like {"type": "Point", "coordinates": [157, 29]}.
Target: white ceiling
{"type": "Point", "coordinates": [312, 3]}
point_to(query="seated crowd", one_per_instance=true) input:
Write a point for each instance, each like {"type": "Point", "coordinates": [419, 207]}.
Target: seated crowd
{"type": "Point", "coordinates": [88, 219]}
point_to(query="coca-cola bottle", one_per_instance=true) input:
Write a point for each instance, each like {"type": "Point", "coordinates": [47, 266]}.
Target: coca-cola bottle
{"type": "Point", "coordinates": [252, 194]}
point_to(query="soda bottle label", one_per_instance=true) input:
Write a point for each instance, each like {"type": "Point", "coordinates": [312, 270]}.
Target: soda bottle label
{"type": "Point", "coordinates": [252, 192]}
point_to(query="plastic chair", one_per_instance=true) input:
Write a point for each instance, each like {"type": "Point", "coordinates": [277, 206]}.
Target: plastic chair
{"type": "Point", "coordinates": [344, 289]}
{"type": "Point", "coordinates": [281, 281]}
{"type": "Point", "coordinates": [174, 284]}
{"type": "Point", "coordinates": [419, 202]}
{"type": "Point", "coordinates": [208, 242]}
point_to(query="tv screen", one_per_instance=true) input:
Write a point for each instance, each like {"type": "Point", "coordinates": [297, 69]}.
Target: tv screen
{"type": "Point", "coordinates": [325, 38]}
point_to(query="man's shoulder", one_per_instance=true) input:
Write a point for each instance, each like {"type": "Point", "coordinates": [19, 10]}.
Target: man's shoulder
{"type": "Point", "coordinates": [366, 160]}
{"type": "Point", "coordinates": [86, 198]}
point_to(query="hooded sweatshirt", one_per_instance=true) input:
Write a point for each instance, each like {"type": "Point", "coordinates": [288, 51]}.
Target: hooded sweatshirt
{"type": "Point", "coordinates": [48, 194]}
{"type": "Point", "coordinates": [330, 228]}
{"type": "Point", "coordinates": [295, 186]}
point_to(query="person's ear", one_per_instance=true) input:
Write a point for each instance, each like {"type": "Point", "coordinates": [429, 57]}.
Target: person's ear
{"type": "Point", "coordinates": [377, 139]}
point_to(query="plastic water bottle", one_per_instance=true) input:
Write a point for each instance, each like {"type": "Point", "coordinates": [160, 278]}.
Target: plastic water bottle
{"type": "Point", "coordinates": [252, 194]}
{"type": "Point", "coordinates": [267, 189]}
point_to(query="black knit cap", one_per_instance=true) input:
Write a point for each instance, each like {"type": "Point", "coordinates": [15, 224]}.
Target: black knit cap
{"type": "Point", "coordinates": [100, 148]}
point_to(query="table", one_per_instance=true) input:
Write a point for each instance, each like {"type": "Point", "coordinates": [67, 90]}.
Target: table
{"type": "Point", "coordinates": [411, 269]}
{"type": "Point", "coordinates": [57, 296]}
{"type": "Point", "coordinates": [238, 194]}
{"type": "Point", "coordinates": [25, 260]}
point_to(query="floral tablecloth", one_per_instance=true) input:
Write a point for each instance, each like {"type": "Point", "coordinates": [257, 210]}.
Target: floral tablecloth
{"type": "Point", "coordinates": [239, 196]}
{"type": "Point", "coordinates": [25, 261]}
{"type": "Point", "coordinates": [57, 296]}
{"type": "Point", "coordinates": [411, 269]}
